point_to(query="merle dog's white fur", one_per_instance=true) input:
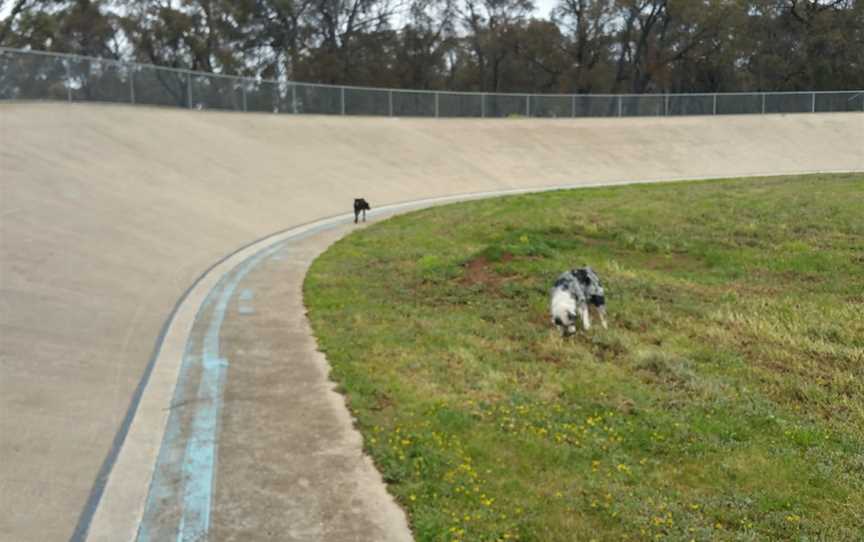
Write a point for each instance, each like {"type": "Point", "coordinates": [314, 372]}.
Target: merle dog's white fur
{"type": "Point", "coordinates": [573, 291]}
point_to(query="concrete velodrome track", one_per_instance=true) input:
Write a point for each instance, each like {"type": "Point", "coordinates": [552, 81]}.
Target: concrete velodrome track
{"type": "Point", "coordinates": [109, 216]}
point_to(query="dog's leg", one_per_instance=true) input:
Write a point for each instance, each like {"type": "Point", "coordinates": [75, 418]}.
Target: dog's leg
{"type": "Point", "coordinates": [356, 215]}
{"type": "Point", "coordinates": [586, 320]}
{"type": "Point", "coordinates": [559, 325]}
{"type": "Point", "coordinates": [601, 311]}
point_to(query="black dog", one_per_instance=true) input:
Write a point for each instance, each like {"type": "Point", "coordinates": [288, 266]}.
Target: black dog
{"type": "Point", "coordinates": [361, 204]}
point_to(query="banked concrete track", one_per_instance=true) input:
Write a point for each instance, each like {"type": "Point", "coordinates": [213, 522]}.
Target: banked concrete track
{"type": "Point", "coordinates": [108, 214]}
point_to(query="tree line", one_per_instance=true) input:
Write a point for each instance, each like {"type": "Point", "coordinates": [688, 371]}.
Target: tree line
{"type": "Point", "coordinates": [582, 46]}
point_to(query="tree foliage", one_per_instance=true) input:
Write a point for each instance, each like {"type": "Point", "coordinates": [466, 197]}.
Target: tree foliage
{"type": "Point", "coordinates": [482, 45]}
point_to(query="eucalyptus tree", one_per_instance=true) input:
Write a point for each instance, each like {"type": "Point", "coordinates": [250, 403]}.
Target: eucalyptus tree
{"type": "Point", "coordinates": [426, 41]}
{"type": "Point", "coordinates": [490, 26]}
{"type": "Point", "coordinates": [588, 26]}
{"type": "Point", "coordinates": [77, 26]}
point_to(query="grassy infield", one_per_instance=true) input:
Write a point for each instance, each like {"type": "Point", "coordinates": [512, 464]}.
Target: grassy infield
{"type": "Point", "coordinates": [725, 402]}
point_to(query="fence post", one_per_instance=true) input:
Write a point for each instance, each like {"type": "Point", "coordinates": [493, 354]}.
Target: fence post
{"type": "Point", "coordinates": [68, 80]}
{"type": "Point", "coordinates": [665, 105]}
{"type": "Point", "coordinates": [243, 88]}
{"type": "Point", "coordinates": [573, 107]}
{"type": "Point", "coordinates": [189, 90]}
{"type": "Point", "coordinates": [131, 84]}
{"type": "Point", "coordinates": [528, 105]}
{"type": "Point", "coordinates": [715, 104]}
{"type": "Point", "coordinates": [813, 103]}
{"type": "Point", "coordinates": [390, 101]}
{"type": "Point", "coordinates": [483, 105]}
{"type": "Point", "coordinates": [763, 103]}
{"type": "Point", "coordinates": [619, 106]}
{"type": "Point", "coordinates": [436, 104]}
{"type": "Point", "coordinates": [342, 89]}
{"type": "Point", "coordinates": [294, 98]}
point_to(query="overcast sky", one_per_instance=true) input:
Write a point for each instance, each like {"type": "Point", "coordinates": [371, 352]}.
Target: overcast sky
{"type": "Point", "coordinates": [544, 7]}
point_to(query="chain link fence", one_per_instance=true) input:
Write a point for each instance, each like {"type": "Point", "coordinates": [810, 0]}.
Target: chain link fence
{"type": "Point", "coordinates": [35, 75]}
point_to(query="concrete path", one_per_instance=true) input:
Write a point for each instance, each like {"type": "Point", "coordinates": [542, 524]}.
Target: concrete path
{"type": "Point", "coordinates": [258, 446]}
{"type": "Point", "coordinates": [291, 466]}
{"type": "Point", "coordinates": [109, 213]}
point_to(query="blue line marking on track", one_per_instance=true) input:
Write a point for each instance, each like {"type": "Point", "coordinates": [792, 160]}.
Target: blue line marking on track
{"type": "Point", "coordinates": [161, 485]}
{"type": "Point", "coordinates": [197, 463]}
{"type": "Point", "coordinates": [185, 471]}
{"type": "Point", "coordinates": [244, 306]}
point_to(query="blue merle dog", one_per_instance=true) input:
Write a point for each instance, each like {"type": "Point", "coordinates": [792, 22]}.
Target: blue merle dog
{"type": "Point", "coordinates": [573, 292]}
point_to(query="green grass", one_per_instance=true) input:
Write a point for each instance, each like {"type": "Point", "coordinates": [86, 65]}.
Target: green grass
{"type": "Point", "coordinates": [725, 402]}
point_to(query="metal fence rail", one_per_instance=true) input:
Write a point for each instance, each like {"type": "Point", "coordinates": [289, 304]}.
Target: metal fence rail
{"type": "Point", "coordinates": [37, 75]}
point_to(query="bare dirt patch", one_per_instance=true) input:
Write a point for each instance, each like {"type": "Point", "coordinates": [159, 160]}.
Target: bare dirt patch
{"type": "Point", "coordinates": [479, 271]}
